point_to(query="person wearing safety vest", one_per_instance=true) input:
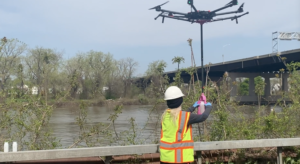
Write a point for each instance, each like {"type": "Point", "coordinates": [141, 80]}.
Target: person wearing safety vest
{"type": "Point", "coordinates": [176, 143]}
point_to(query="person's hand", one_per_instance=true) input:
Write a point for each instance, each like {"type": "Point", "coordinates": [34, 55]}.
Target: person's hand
{"type": "Point", "coordinates": [208, 104]}
{"type": "Point", "coordinates": [196, 104]}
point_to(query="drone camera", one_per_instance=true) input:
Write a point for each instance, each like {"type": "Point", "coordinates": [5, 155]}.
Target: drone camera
{"type": "Point", "coordinates": [190, 2]}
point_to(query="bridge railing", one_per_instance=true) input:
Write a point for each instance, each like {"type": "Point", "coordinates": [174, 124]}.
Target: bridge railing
{"type": "Point", "coordinates": [110, 151]}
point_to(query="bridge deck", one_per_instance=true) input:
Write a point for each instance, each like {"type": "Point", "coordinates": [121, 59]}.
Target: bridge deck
{"type": "Point", "coordinates": [262, 63]}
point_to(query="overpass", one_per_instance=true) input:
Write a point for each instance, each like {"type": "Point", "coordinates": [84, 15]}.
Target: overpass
{"type": "Point", "coordinates": [256, 64]}
{"type": "Point", "coordinates": [266, 66]}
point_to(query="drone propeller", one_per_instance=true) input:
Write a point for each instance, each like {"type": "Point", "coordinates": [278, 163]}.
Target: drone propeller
{"type": "Point", "coordinates": [158, 7]}
{"type": "Point", "coordinates": [233, 2]}
{"type": "Point", "coordinates": [240, 9]}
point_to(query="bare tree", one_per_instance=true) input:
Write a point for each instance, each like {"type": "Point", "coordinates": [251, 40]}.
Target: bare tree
{"type": "Point", "coordinates": [75, 70]}
{"type": "Point", "coordinates": [100, 65]}
{"type": "Point", "coordinates": [41, 63]}
{"type": "Point", "coordinates": [10, 52]}
{"type": "Point", "coordinates": [127, 68]}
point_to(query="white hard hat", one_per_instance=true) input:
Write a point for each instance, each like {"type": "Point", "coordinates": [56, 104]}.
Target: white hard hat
{"type": "Point", "coordinates": [173, 92]}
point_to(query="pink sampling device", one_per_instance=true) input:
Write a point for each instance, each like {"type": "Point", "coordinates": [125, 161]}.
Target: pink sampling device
{"type": "Point", "coordinates": [201, 102]}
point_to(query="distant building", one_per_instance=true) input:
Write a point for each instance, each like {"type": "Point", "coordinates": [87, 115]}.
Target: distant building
{"type": "Point", "coordinates": [275, 89]}
{"type": "Point", "coordinates": [105, 89]}
{"type": "Point", "coordinates": [25, 87]}
{"type": "Point", "coordinates": [34, 90]}
{"type": "Point", "coordinates": [79, 91]}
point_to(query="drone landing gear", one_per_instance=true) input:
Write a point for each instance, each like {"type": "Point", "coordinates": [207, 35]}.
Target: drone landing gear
{"type": "Point", "coordinates": [159, 15]}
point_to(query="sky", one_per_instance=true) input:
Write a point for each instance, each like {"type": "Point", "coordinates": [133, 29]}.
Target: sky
{"type": "Point", "coordinates": [128, 29]}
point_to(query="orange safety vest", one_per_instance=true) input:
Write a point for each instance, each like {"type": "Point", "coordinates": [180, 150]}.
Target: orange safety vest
{"type": "Point", "coordinates": [176, 143]}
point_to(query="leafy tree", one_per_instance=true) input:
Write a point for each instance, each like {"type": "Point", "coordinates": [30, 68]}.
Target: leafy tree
{"type": "Point", "coordinates": [27, 121]}
{"type": "Point", "coordinates": [243, 88]}
{"type": "Point", "coordinates": [178, 60]}
{"type": "Point", "coordinates": [178, 79]}
{"type": "Point", "coordinates": [259, 88]}
{"type": "Point", "coordinates": [156, 67]}
{"type": "Point", "coordinates": [155, 74]}
{"type": "Point", "coordinates": [294, 82]}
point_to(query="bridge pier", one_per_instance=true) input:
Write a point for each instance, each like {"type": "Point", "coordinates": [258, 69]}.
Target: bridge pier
{"type": "Point", "coordinates": [272, 88]}
{"type": "Point", "coordinates": [285, 83]}
{"type": "Point", "coordinates": [251, 90]}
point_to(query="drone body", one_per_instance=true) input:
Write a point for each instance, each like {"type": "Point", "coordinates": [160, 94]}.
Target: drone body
{"type": "Point", "coordinates": [200, 16]}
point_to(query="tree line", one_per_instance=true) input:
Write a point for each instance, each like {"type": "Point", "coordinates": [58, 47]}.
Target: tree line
{"type": "Point", "coordinates": [85, 75]}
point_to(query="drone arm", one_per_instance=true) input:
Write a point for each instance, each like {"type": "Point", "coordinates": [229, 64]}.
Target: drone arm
{"type": "Point", "coordinates": [172, 17]}
{"type": "Point", "coordinates": [194, 8]}
{"type": "Point", "coordinates": [231, 12]}
{"type": "Point", "coordinates": [159, 15]}
{"type": "Point", "coordinates": [178, 18]}
{"type": "Point", "coordinates": [232, 18]}
{"type": "Point", "coordinates": [173, 12]}
{"type": "Point", "coordinates": [240, 9]}
{"type": "Point", "coordinates": [241, 15]}
{"type": "Point", "coordinates": [221, 19]}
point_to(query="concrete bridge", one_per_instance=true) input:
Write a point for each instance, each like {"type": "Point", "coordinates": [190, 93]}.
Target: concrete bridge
{"type": "Point", "coordinates": [266, 66]}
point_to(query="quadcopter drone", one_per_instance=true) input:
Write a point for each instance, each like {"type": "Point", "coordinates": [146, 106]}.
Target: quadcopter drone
{"type": "Point", "coordinates": [200, 16]}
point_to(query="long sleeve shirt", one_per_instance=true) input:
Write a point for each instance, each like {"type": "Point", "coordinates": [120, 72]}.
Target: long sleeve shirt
{"type": "Point", "coordinates": [195, 118]}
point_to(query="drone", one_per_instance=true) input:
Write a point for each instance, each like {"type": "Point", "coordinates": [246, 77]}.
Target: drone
{"type": "Point", "coordinates": [200, 16]}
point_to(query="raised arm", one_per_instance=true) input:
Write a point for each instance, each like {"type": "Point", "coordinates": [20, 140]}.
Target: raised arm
{"type": "Point", "coordinates": [195, 118]}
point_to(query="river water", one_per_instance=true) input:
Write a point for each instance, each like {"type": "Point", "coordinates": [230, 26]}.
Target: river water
{"type": "Point", "coordinates": [65, 129]}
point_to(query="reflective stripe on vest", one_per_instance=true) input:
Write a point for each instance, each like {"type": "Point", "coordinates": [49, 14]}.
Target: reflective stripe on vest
{"type": "Point", "coordinates": [178, 155]}
{"type": "Point", "coordinates": [177, 146]}
{"type": "Point", "coordinates": [180, 131]}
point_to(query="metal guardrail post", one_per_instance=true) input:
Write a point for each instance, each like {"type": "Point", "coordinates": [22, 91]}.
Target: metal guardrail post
{"type": "Point", "coordinates": [108, 159]}
{"type": "Point", "coordinates": [199, 157]}
{"type": "Point", "coordinates": [279, 155]}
